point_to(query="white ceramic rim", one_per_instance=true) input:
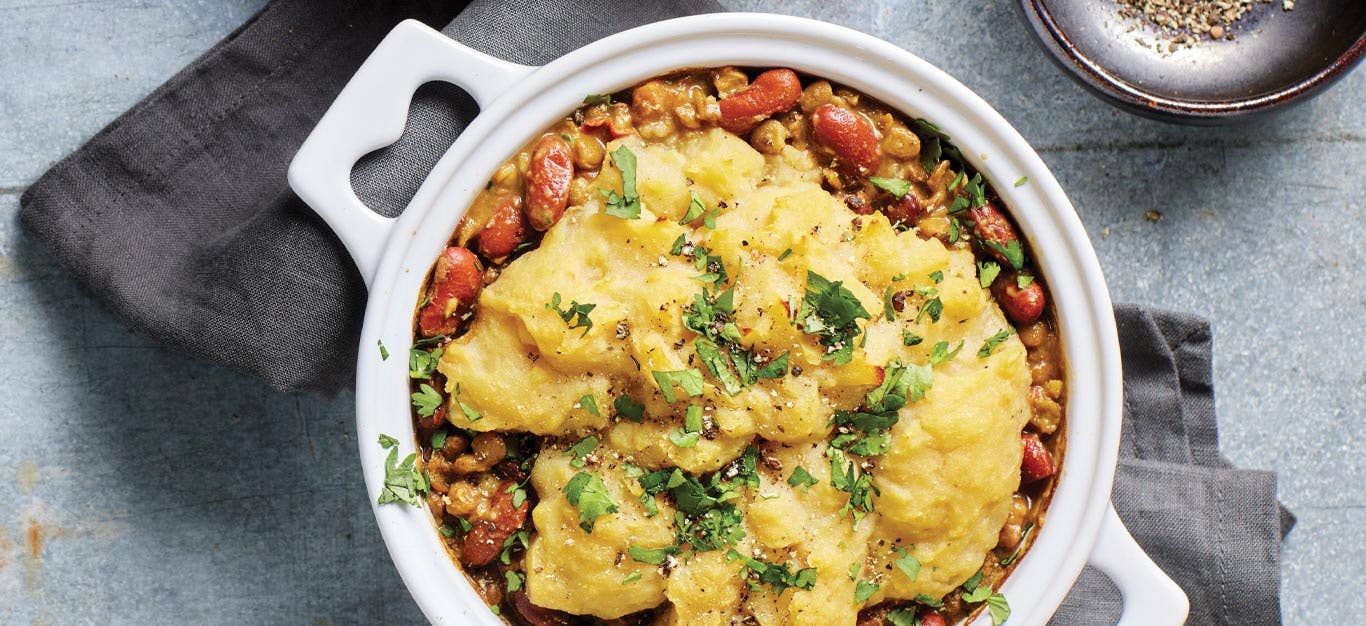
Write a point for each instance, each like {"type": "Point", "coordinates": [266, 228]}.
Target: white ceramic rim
{"type": "Point", "coordinates": [395, 255]}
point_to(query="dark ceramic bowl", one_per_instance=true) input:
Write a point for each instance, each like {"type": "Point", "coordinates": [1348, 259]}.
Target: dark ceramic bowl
{"type": "Point", "coordinates": [1277, 58]}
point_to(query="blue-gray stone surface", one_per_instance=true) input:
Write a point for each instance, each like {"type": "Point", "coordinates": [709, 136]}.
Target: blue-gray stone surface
{"type": "Point", "coordinates": [140, 486]}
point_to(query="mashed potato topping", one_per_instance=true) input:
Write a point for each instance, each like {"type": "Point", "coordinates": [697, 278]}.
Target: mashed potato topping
{"type": "Point", "coordinates": [709, 349]}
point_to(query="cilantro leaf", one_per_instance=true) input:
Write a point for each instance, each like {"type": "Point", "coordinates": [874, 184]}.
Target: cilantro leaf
{"type": "Point", "coordinates": [597, 98]}
{"type": "Point", "coordinates": [1023, 280]}
{"type": "Point", "coordinates": [776, 368]}
{"type": "Point", "coordinates": [514, 580]}
{"type": "Point", "coordinates": [422, 363]}
{"type": "Point", "coordinates": [909, 338]}
{"type": "Point", "coordinates": [993, 341]}
{"type": "Point", "coordinates": [1013, 252]}
{"type": "Point", "coordinates": [987, 271]}
{"type": "Point", "coordinates": [1019, 549]}
{"type": "Point", "coordinates": [831, 312]}
{"type": "Point", "coordinates": [898, 187]}
{"type": "Point", "coordinates": [581, 450]}
{"type": "Point", "coordinates": [628, 408]}
{"type": "Point", "coordinates": [909, 565]}
{"type": "Point", "coordinates": [779, 578]}
{"type": "Point", "coordinates": [626, 205]}
{"type": "Point", "coordinates": [801, 478]}
{"type": "Point", "coordinates": [940, 353]}
{"type": "Point", "coordinates": [999, 608]}
{"type": "Point", "coordinates": [933, 305]}
{"type": "Point", "coordinates": [426, 400]}
{"type": "Point", "coordinates": [576, 316]}
{"type": "Point", "coordinates": [587, 492]}
{"type": "Point", "coordinates": [1022, 181]}
{"type": "Point", "coordinates": [383, 351]}
{"type": "Point", "coordinates": [864, 590]}
{"type": "Point", "coordinates": [888, 307]}
{"type": "Point", "coordinates": [630, 578]}
{"type": "Point", "coordinates": [439, 439]}
{"type": "Point", "coordinates": [590, 404]}
{"type": "Point", "coordinates": [902, 617]}
{"type": "Point", "coordinates": [402, 481]}
{"type": "Point", "coordinates": [690, 380]}
{"type": "Point", "coordinates": [973, 581]}
{"type": "Point", "coordinates": [784, 254]}
{"type": "Point", "coordinates": [651, 556]}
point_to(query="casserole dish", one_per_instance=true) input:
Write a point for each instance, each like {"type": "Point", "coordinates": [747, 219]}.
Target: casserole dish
{"type": "Point", "coordinates": [517, 101]}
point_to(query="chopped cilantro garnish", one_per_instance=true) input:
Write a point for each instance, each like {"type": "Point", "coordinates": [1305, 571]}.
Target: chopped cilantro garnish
{"type": "Point", "coordinates": [626, 205]}
{"type": "Point", "coordinates": [696, 209]}
{"type": "Point", "coordinates": [902, 617]}
{"type": "Point", "coordinates": [937, 276]}
{"type": "Point", "coordinates": [630, 578]}
{"type": "Point", "coordinates": [801, 478]}
{"type": "Point", "coordinates": [596, 98]}
{"type": "Point", "coordinates": [590, 404]}
{"type": "Point", "coordinates": [888, 308]}
{"type": "Point", "coordinates": [581, 450]}
{"type": "Point", "coordinates": [933, 305]}
{"type": "Point", "coordinates": [1013, 253]}
{"type": "Point", "coordinates": [690, 380]}
{"type": "Point", "coordinates": [576, 316]}
{"type": "Point", "coordinates": [831, 312]}
{"type": "Point", "coordinates": [778, 577]}
{"type": "Point", "coordinates": [514, 580]}
{"type": "Point", "coordinates": [909, 565]}
{"type": "Point", "coordinates": [587, 492]}
{"type": "Point", "coordinates": [677, 247]}
{"type": "Point", "coordinates": [426, 400]}
{"type": "Point", "coordinates": [996, 603]}
{"type": "Point", "coordinates": [383, 351]}
{"type": "Point", "coordinates": [864, 433]}
{"type": "Point", "coordinates": [987, 271]}
{"type": "Point", "coordinates": [439, 439]}
{"type": "Point", "coordinates": [651, 556]}
{"type": "Point", "coordinates": [402, 481]}
{"type": "Point", "coordinates": [422, 363]}
{"type": "Point", "coordinates": [909, 338]}
{"type": "Point", "coordinates": [1022, 181]}
{"type": "Point", "coordinates": [684, 439]}
{"type": "Point", "coordinates": [628, 408]}
{"type": "Point", "coordinates": [898, 187]}
{"type": "Point", "coordinates": [1023, 280]}
{"type": "Point", "coordinates": [864, 590]}
{"type": "Point", "coordinates": [928, 601]}
{"type": "Point", "coordinates": [845, 476]}
{"type": "Point", "coordinates": [973, 581]}
{"type": "Point", "coordinates": [784, 254]}
{"type": "Point", "coordinates": [940, 353]}
{"type": "Point", "coordinates": [993, 341]}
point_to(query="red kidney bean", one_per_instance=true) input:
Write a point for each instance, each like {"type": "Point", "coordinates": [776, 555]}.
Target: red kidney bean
{"type": "Point", "coordinates": [932, 619]}
{"type": "Point", "coordinates": [538, 616]}
{"type": "Point", "coordinates": [1037, 463]}
{"type": "Point", "coordinates": [990, 224]}
{"type": "Point", "coordinates": [906, 210]}
{"type": "Point", "coordinates": [771, 92]}
{"type": "Point", "coordinates": [455, 285]}
{"type": "Point", "coordinates": [850, 136]}
{"type": "Point", "coordinates": [1021, 305]}
{"type": "Point", "coordinates": [547, 182]}
{"type": "Point", "coordinates": [485, 539]}
{"type": "Point", "coordinates": [505, 229]}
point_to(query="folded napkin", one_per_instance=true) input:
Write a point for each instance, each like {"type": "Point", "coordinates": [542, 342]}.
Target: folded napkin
{"type": "Point", "coordinates": [179, 216]}
{"type": "Point", "coordinates": [1213, 528]}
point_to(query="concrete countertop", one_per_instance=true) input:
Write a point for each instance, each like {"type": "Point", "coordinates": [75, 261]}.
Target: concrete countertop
{"type": "Point", "coordinates": [142, 486]}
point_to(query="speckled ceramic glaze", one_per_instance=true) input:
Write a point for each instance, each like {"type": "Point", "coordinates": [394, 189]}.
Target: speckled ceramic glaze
{"type": "Point", "coordinates": [394, 256]}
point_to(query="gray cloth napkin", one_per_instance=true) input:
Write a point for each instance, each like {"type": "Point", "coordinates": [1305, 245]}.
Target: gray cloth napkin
{"type": "Point", "coordinates": [178, 215]}
{"type": "Point", "coordinates": [1213, 528]}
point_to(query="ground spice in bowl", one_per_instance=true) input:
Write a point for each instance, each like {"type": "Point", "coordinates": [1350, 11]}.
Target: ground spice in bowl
{"type": "Point", "coordinates": [1183, 22]}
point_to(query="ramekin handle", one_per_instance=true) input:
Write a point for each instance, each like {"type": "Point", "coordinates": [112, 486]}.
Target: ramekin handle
{"type": "Point", "coordinates": [370, 113]}
{"type": "Point", "coordinates": [1151, 598]}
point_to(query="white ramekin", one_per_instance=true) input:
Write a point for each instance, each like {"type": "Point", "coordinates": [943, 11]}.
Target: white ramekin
{"type": "Point", "coordinates": [518, 101]}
